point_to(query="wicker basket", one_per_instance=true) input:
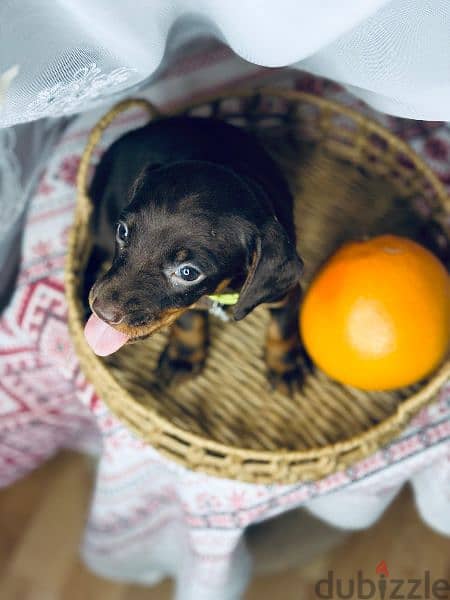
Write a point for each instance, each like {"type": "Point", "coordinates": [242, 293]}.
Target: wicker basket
{"type": "Point", "coordinates": [350, 177]}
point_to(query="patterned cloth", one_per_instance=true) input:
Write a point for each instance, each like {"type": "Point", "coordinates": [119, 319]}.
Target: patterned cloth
{"type": "Point", "coordinates": [150, 517]}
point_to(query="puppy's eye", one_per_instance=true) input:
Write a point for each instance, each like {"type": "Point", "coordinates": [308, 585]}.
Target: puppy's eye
{"type": "Point", "coordinates": [187, 273]}
{"type": "Point", "coordinates": [122, 233]}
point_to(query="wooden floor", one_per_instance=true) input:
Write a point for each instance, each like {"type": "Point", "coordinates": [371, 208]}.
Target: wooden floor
{"type": "Point", "coordinates": [41, 520]}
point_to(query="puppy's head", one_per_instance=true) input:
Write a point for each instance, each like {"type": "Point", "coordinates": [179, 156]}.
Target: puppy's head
{"type": "Point", "coordinates": [190, 229]}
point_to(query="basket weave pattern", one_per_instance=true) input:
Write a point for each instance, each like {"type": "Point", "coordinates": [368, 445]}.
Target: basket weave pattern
{"type": "Point", "coordinates": [350, 177]}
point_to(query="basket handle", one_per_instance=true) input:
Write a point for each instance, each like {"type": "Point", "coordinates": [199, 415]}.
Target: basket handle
{"type": "Point", "coordinates": [84, 202]}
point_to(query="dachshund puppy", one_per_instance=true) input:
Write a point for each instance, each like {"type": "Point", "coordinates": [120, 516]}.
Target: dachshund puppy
{"type": "Point", "coordinates": [185, 208]}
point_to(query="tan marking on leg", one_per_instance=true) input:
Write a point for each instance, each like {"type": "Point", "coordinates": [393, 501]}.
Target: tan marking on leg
{"type": "Point", "coordinates": [186, 349]}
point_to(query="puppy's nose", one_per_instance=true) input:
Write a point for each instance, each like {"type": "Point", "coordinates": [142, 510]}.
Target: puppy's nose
{"type": "Point", "coordinates": [109, 314]}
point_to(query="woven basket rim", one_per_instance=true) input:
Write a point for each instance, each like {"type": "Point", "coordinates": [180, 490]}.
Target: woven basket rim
{"type": "Point", "coordinates": [370, 438]}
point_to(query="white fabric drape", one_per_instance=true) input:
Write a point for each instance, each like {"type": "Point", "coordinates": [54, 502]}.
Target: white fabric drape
{"type": "Point", "coordinates": [72, 54]}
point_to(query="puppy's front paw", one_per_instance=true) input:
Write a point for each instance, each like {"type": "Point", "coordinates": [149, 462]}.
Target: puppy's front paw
{"type": "Point", "coordinates": [174, 370]}
{"type": "Point", "coordinates": [287, 374]}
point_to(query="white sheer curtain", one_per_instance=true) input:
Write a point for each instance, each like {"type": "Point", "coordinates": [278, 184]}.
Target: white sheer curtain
{"type": "Point", "coordinates": [71, 54]}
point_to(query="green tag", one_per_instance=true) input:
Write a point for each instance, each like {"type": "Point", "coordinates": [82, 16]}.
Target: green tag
{"type": "Point", "coordinates": [225, 299]}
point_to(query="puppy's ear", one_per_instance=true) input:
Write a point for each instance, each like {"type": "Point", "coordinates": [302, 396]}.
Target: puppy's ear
{"type": "Point", "coordinates": [275, 268]}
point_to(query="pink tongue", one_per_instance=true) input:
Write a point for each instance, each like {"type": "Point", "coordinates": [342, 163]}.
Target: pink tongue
{"type": "Point", "coordinates": [102, 338]}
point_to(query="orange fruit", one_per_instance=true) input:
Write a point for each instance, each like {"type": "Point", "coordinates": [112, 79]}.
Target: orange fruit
{"type": "Point", "coordinates": [377, 316]}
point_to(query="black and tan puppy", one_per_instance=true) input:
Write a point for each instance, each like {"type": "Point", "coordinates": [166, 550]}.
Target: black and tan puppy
{"type": "Point", "coordinates": [186, 207]}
